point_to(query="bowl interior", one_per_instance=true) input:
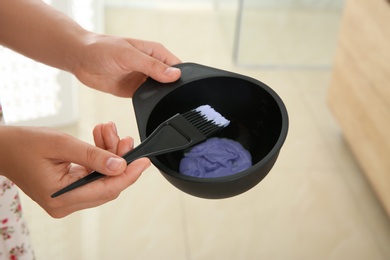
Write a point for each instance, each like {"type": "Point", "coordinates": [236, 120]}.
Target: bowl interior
{"type": "Point", "coordinates": [254, 114]}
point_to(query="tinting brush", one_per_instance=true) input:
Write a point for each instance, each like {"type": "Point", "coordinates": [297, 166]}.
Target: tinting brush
{"type": "Point", "coordinates": [177, 133]}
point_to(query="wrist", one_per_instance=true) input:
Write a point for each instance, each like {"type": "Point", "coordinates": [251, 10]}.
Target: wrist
{"type": "Point", "coordinates": [80, 51]}
{"type": "Point", "coordinates": [76, 49]}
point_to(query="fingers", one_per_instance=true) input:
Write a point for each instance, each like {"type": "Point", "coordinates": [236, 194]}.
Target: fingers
{"type": "Point", "coordinates": [157, 70]}
{"type": "Point", "coordinates": [125, 145]}
{"type": "Point", "coordinates": [116, 184]}
{"type": "Point", "coordinates": [156, 61]}
{"type": "Point", "coordinates": [76, 151]}
{"type": "Point", "coordinates": [97, 192]}
{"type": "Point", "coordinates": [155, 50]}
{"type": "Point", "coordinates": [105, 158]}
{"type": "Point", "coordinates": [106, 137]}
{"type": "Point", "coordinates": [102, 190]}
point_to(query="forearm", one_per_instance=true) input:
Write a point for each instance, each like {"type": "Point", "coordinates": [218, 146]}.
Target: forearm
{"type": "Point", "coordinates": [40, 32]}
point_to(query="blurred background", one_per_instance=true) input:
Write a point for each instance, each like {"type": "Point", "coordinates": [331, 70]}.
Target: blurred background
{"type": "Point", "coordinates": [316, 203]}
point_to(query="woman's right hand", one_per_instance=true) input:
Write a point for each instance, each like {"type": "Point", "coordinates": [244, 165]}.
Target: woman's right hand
{"type": "Point", "coordinates": [41, 161]}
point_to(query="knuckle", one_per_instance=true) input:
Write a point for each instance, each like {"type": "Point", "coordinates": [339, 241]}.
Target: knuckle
{"type": "Point", "coordinates": [154, 64]}
{"type": "Point", "coordinates": [158, 46]}
{"type": "Point", "coordinates": [111, 195]}
{"type": "Point", "coordinates": [91, 155]}
{"type": "Point", "coordinates": [61, 140]}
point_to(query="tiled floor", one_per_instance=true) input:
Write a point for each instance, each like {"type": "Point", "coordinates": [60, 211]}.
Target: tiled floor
{"type": "Point", "coordinates": [314, 204]}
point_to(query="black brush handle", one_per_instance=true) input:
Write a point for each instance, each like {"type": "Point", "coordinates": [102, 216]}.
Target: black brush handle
{"type": "Point", "coordinates": [174, 134]}
{"type": "Point", "coordinates": [87, 179]}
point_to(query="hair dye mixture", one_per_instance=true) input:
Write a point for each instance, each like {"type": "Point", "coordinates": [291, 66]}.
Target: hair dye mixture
{"type": "Point", "coordinates": [216, 157]}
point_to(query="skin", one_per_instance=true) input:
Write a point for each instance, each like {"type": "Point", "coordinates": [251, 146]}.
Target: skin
{"type": "Point", "coordinates": [107, 63]}
{"type": "Point", "coordinates": [40, 160]}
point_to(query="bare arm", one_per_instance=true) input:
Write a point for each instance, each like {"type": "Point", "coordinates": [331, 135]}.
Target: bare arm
{"type": "Point", "coordinates": [110, 64]}
{"type": "Point", "coordinates": [38, 31]}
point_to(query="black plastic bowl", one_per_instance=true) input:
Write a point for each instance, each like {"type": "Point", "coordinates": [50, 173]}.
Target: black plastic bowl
{"type": "Point", "coordinates": [259, 121]}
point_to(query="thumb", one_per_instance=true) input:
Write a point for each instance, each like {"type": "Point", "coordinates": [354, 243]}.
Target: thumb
{"type": "Point", "coordinates": [155, 61]}
{"type": "Point", "coordinates": [160, 71]}
{"type": "Point", "coordinates": [89, 156]}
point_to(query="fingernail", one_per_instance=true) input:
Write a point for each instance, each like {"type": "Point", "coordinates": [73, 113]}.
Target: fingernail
{"type": "Point", "coordinates": [114, 163]}
{"type": "Point", "coordinates": [171, 71]}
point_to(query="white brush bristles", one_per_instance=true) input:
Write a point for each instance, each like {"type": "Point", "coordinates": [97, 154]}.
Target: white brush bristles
{"type": "Point", "coordinates": [211, 115]}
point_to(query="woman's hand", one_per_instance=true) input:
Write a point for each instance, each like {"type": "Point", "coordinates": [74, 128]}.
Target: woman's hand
{"type": "Point", "coordinates": [120, 65]}
{"type": "Point", "coordinates": [40, 161]}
